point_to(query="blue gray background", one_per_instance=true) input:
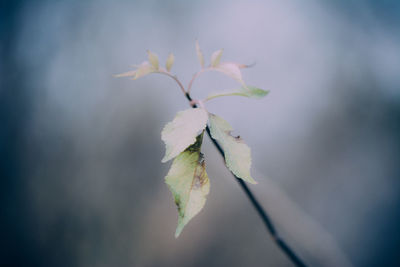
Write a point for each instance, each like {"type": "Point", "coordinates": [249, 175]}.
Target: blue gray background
{"type": "Point", "coordinates": [81, 177]}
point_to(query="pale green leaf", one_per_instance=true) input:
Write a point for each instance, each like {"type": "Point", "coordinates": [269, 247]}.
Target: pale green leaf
{"type": "Point", "coordinates": [216, 58]}
{"type": "Point", "coordinates": [141, 70]}
{"type": "Point", "coordinates": [188, 181]}
{"type": "Point", "coordinates": [170, 62]}
{"type": "Point", "coordinates": [182, 131]}
{"type": "Point", "coordinates": [249, 91]}
{"type": "Point", "coordinates": [153, 59]}
{"type": "Point", "coordinates": [254, 92]}
{"type": "Point", "coordinates": [131, 73]}
{"type": "Point", "coordinates": [144, 69]}
{"type": "Point", "coordinates": [237, 153]}
{"type": "Point", "coordinates": [199, 54]}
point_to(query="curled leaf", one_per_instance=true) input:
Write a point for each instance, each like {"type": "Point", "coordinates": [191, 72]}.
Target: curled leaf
{"type": "Point", "coordinates": [216, 57]}
{"type": "Point", "coordinates": [199, 54]}
{"type": "Point", "coordinates": [249, 91]}
{"type": "Point", "coordinates": [188, 181]}
{"type": "Point", "coordinates": [237, 153]}
{"type": "Point", "coordinates": [153, 59]}
{"type": "Point", "coordinates": [182, 131]}
{"type": "Point", "coordinates": [170, 62]}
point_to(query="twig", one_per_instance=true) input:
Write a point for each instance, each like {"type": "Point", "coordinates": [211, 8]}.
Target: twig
{"type": "Point", "coordinates": [197, 74]}
{"type": "Point", "coordinates": [256, 204]}
{"type": "Point", "coordinates": [175, 78]}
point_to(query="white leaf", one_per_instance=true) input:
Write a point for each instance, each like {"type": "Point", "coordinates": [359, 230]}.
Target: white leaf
{"type": "Point", "coordinates": [144, 69]}
{"type": "Point", "coordinates": [131, 73]}
{"type": "Point", "coordinates": [232, 70]}
{"type": "Point", "coordinates": [182, 131]}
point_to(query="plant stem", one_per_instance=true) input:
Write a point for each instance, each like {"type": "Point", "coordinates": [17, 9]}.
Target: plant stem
{"type": "Point", "coordinates": [256, 204]}
{"type": "Point", "coordinates": [175, 79]}
{"type": "Point", "coordinates": [197, 74]}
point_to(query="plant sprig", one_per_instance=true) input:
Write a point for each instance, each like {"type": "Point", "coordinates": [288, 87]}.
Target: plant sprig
{"type": "Point", "coordinates": [187, 128]}
{"type": "Point", "coordinates": [187, 178]}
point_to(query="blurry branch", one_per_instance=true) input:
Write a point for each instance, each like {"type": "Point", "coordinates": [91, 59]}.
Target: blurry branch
{"type": "Point", "coordinates": [317, 244]}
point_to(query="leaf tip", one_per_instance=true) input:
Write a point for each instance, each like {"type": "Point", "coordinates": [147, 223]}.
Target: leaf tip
{"type": "Point", "coordinates": [167, 157]}
{"type": "Point", "coordinates": [216, 57]}
{"type": "Point", "coordinates": [178, 231]}
{"type": "Point", "coordinates": [251, 180]}
{"type": "Point", "coordinates": [256, 92]}
{"type": "Point", "coordinates": [199, 54]}
{"type": "Point", "coordinates": [125, 74]}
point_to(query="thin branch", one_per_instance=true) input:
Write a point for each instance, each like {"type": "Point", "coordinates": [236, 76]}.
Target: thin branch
{"type": "Point", "coordinates": [175, 78]}
{"type": "Point", "coordinates": [256, 204]}
{"type": "Point", "coordinates": [197, 74]}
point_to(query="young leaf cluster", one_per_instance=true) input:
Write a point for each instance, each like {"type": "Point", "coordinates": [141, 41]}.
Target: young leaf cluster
{"type": "Point", "coordinates": [183, 136]}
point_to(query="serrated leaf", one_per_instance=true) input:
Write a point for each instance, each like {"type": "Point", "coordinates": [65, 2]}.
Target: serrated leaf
{"type": "Point", "coordinates": [182, 131]}
{"type": "Point", "coordinates": [237, 153]}
{"type": "Point", "coordinates": [216, 57]}
{"type": "Point", "coordinates": [231, 69]}
{"type": "Point", "coordinates": [188, 181]}
{"type": "Point", "coordinates": [199, 54]}
{"type": "Point", "coordinates": [249, 91]}
{"type": "Point", "coordinates": [153, 59]}
{"type": "Point", "coordinates": [170, 62]}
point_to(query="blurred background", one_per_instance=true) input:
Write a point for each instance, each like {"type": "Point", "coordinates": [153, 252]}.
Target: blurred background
{"type": "Point", "coordinates": [81, 178]}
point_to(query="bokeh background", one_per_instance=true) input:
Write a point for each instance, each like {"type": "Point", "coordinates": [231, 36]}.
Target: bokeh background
{"type": "Point", "coordinates": [81, 177]}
